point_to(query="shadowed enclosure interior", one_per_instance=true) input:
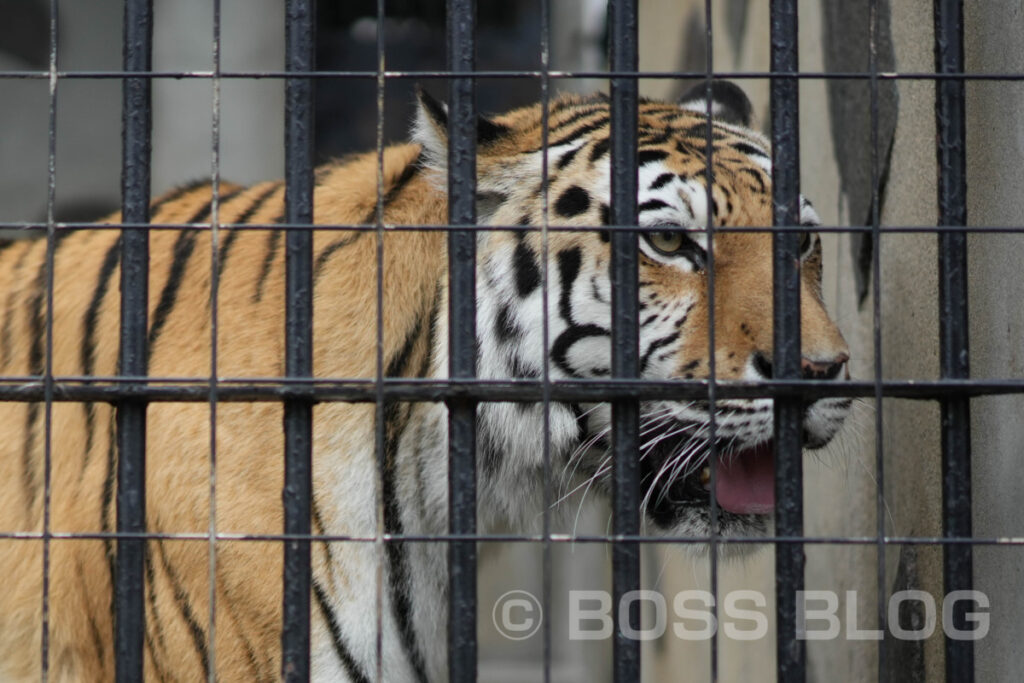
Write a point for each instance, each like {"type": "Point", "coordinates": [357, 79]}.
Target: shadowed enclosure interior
{"type": "Point", "coordinates": [299, 392]}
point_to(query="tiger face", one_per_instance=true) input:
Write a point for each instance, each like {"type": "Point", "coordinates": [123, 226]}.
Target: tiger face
{"type": "Point", "coordinates": [675, 301]}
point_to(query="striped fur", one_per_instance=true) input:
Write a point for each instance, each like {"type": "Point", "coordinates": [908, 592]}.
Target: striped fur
{"type": "Point", "coordinates": [249, 267]}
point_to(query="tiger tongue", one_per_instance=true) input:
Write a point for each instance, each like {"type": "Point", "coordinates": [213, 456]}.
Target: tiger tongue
{"type": "Point", "coordinates": [746, 481]}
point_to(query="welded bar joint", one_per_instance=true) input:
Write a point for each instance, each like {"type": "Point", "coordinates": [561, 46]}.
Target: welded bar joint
{"type": "Point", "coordinates": [298, 412]}
{"type": "Point", "coordinates": [785, 114]}
{"type": "Point", "coordinates": [462, 556]}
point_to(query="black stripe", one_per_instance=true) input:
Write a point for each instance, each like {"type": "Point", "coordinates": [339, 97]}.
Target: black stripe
{"type": "Point", "coordinates": [153, 616]}
{"type": "Point", "coordinates": [749, 150]}
{"type": "Point", "coordinates": [88, 348]}
{"type": "Point", "coordinates": [398, 574]}
{"type": "Point", "coordinates": [647, 156]}
{"type": "Point", "coordinates": [94, 628]}
{"type": "Point", "coordinates": [569, 262]}
{"type": "Point", "coordinates": [524, 261]}
{"type": "Point", "coordinates": [154, 626]}
{"type": "Point", "coordinates": [183, 248]}
{"type": "Point", "coordinates": [273, 241]}
{"type": "Point", "coordinates": [560, 349]}
{"type": "Point", "coordinates": [330, 250]}
{"type": "Point", "coordinates": [203, 214]}
{"type": "Point", "coordinates": [5, 332]}
{"type": "Point", "coordinates": [580, 131]}
{"type": "Point", "coordinates": [756, 175]}
{"type": "Point", "coordinates": [175, 195]}
{"type": "Point", "coordinates": [37, 339]}
{"type": "Point", "coordinates": [224, 250]}
{"type": "Point", "coordinates": [408, 173]}
{"type": "Point", "coordinates": [567, 158]}
{"type": "Point", "coordinates": [655, 345]}
{"type": "Point", "coordinates": [661, 181]}
{"type": "Point", "coordinates": [599, 149]}
{"type": "Point", "coordinates": [580, 113]}
{"type": "Point", "coordinates": [261, 672]}
{"type": "Point", "coordinates": [106, 501]}
{"type": "Point", "coordinates": [258, 203]}
{"type": "Point", "coordinates": [652, 205]}
{"type": "Point", "coordinates": [184, 607]}
{"type": "Point", "coordinates": [347, 660]}
{"type": "Point", "coordinates": [505, 327]}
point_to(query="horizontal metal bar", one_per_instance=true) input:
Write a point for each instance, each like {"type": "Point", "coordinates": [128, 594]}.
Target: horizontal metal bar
{"type": "Point", "coordinates": [235, 390]}
{"type": "Point", "coordinates": [526, 73]}
{"type": "Point", "coordinates": [1010, 541]}
{"type": "Point", "coordinates": [41, 228]}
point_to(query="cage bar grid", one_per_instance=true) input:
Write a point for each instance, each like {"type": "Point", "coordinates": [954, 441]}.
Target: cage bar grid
{"type": "Point", "coordinates": [132, 389]}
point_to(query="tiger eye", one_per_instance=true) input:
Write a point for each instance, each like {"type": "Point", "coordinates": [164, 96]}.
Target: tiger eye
{"type": "Point", "coordinates": [666, 241]}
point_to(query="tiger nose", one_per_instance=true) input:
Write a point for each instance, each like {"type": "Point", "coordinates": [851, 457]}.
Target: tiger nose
{"type": "Point", "coordinates": [823, 370]}
{"type": "Point", "coordinates": [810, 369]}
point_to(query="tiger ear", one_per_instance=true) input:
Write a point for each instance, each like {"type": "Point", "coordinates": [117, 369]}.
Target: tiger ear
{"type": "Point", "coordinates": [729, 103]}
{"type": "Point", "coordinates": [430, 129]}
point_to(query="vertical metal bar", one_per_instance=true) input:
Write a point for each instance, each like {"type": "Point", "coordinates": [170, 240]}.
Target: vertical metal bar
{"type": "Point", "coordinates": [950, 122]}
{"type": "Point", "coordinates": [623, 57]}
{"type": "Point", "coordinates": [131, 413]}
{"type": "Point", "coordinates": [789, 557]}
{"type": "Point", "coordinates": [211, 577]}
{"type": "Point", "coordinates": [545, 100]}
{"type": "Point", "coordinates": [51, 246]}
{"type": "Point", "coordinates": [461, 40]}
{"type": "Point", "coordinates": [881, 598]}
{"type": "Point", "coordinates": [298, 413]}
{"type": "Point", "coordinates": [709, 228]}
{"type": "Point", "coordinates": [380, 417]}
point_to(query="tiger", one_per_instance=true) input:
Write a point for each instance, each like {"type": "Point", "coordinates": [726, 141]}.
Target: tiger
{"type": "Point", "coordinates": [533, 168]}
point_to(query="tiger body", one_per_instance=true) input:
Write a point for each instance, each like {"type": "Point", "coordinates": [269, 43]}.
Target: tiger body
{"type": "Point", "coordinates": [249, 270]}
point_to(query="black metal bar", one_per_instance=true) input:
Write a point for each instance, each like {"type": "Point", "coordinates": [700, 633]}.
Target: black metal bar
{"type": "Point", "coordinates": [59, 227]}
{"type": "Point", "coordinates": [51, 236]}
{"type": "Point", "coordinates": [183, 390]}
{"type": "Point", "coordinates": [548, 500]}
{"type": "Point", "coordinates": [789, 560]}
{"type": "Point", "coordinates": [623, 56]}
{"type": "Point", "coordinates": [950, 122]}
{"type": "Point", "coordinates": [462, 560]}
{"type": "Point", "coordinates": [131, 411]}
{"type": "Point", "coordinates": [298, 413]}
{"type": "Point", "coordinates": [523, 73]}
{"type": "Point", "coordinates": [1007, 541]}
{"type": "Point", "coordinates": [881, 595]}
{"type": "Point", "coordinates": [709, 228]}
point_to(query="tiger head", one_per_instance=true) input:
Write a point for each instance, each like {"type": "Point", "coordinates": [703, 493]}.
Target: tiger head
{"type": "Point", "coordinates": [676, 304]}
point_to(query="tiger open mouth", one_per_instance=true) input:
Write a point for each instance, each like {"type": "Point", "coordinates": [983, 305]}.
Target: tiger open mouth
{"type": "Point", "coordinates": [744, 480]}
